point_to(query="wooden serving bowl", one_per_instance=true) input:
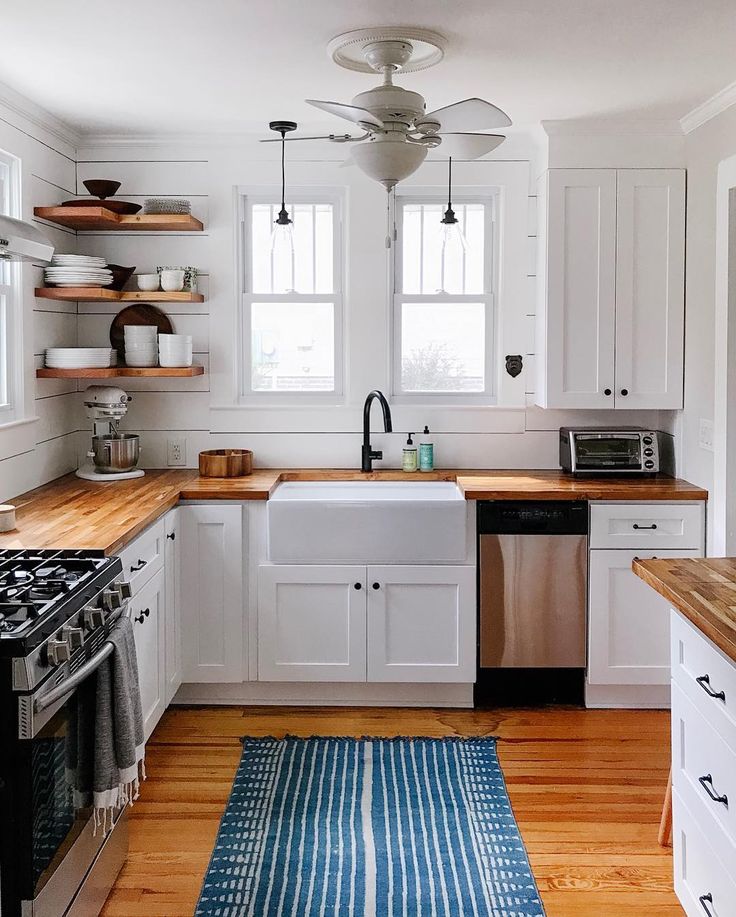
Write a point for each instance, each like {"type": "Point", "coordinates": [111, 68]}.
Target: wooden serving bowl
{"type": "Point", "coordinates": [225, 463]}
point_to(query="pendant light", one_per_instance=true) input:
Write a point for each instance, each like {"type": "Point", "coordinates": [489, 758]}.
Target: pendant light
{"type": "Point", "coordinates": [282, 237]}
{"type": "Point", "coordinates": [452, 233]}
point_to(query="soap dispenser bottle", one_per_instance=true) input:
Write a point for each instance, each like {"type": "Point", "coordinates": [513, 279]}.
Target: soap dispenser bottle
{"type": "Point", "coordinates": [409, 457]}
{"type": "Point", "coordinates": [426, 452]}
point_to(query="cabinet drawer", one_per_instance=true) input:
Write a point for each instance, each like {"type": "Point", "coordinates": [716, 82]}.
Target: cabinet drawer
{"type": "Point", "coordinates": [704, 774]}
{"type": "Point", "coordinates": [702, 882]}
{"type": "Point", "coordinates": [706, 677]}
{"type": "Point", "coordinates": [646, 525]}
{"type": "Point", "coordinates": [144, 556]}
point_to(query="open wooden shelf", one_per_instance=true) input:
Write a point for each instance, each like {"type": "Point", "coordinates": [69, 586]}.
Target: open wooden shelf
{"type": "Point", "coordinates": [85, 218]}
{"type": "Point", "coordinates": [103, 294]}
{"type": "Point", "coordinates": [111, 372]}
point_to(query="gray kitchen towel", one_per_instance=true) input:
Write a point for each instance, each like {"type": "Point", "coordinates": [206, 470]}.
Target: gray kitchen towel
{"type": "Point", "coordinates": [118, 728]}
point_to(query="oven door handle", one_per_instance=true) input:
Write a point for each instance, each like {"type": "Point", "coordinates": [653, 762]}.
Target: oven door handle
{"type": "Point", "coordinates": [83, 672]}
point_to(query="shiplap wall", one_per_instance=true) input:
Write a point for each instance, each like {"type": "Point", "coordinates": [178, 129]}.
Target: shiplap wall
{"type": "Point", "coordinates": [203, 410]}
{"type": "Point", "coordinates": [38, 451]}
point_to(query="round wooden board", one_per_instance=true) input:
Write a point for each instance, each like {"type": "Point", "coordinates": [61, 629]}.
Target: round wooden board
{"type": "Point", "coordinates": [142, 313]}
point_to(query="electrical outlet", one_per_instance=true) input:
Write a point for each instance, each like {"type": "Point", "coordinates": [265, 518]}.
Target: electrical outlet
{"type": "Point", "coordinates": [176, 451]}
{"type": "Point", "coordinates": [705, 436]}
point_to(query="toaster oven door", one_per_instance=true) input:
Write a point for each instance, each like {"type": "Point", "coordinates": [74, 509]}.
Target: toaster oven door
{"type": "Point", "coordinates": [609, 452]}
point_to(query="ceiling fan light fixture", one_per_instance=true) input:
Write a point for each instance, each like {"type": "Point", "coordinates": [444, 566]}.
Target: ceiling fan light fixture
{"type": "Point", "coordinates": [389, 161]}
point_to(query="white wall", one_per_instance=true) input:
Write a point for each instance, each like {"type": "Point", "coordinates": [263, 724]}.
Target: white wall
{"type": "Point", "coordinates": [44, 446]}
{"type": "Point", "coordinates": [206, 410]}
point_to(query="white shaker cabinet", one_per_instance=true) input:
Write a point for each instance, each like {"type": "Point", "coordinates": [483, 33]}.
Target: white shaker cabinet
{"type": "Point", "coordinates": [172, 568]}
{"type": "Point", "coordinates": [147, 612]}
{"type": "Point", "coordinates": [610, 309]}
{"type": "Point", "coordinates": [421, 624]}
{"type": "Point", "coordinates": [311, 623]}
{"type": "Point", "coordinates": [212, 607]}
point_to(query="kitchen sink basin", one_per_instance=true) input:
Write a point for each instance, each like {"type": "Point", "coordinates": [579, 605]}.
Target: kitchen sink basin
{"type": "Point", "coordinates": [367, 522]}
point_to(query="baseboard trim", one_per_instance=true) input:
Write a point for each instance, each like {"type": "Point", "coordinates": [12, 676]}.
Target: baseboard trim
{"type": "Point", "coordinates": [634, 697]}
{"type": "Point", "coordinates": [301, 694]}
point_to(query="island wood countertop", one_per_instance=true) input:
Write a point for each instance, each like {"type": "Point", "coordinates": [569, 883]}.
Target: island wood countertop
{"type": "Point", "coordinates": [73, 513]}
{"type": "Point", "coordinates": [701, 588]}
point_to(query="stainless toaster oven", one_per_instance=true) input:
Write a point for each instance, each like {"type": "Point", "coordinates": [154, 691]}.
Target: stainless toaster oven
{"type": "Point", "coordinates": [625, 450]}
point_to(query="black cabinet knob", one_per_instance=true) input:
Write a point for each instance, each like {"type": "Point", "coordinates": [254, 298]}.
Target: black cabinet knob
{"type": "Point", "coordinates": [140, 619]}
{"type": "Point", "coordinates": [171, 536]}
{"type": "Point", "coordinates": [358, 586]}
{"type": "Point", "coordinates": [624, 391]}
{"type": "Point", "coordinates": [376, 585]}
{"type": "Point", "coordinates": [606, 391]}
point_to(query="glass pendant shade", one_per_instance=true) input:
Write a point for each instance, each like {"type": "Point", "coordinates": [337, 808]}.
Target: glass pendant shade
{"type": "Point", "coordinates": [451, 232]}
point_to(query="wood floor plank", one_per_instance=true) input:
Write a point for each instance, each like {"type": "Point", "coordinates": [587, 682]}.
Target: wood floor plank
{"type": "Point", "coordinates": [586, 787]}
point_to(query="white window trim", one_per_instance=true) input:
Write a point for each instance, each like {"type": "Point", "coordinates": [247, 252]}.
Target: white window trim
{"type": "Point", "coordinates": [303, 195]}
{"type": "Point", "coordinates": [11, 317]}
{"type": "Point", "coordinates": [464, 195]}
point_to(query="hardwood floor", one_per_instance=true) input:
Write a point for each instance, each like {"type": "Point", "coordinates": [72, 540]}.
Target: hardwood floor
{"type": "Point", "coordinates": [586, 786]}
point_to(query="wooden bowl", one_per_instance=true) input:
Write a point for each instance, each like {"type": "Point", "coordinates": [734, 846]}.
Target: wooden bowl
{"type": "Point", "coordinates": [225, 463]}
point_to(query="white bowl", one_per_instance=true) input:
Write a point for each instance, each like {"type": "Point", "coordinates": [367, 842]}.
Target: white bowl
{"type": "Point", "coordinates": [171, 361]}
{"type": "Point", "coordinates": [172, 281]}
{"type": "Point", "coordinates": [187, 348]}
{"type": "Point", "coordinates": [142, 333]}
{"type": "Point", "coordinates": [175, 338]}
{"type": "Point", "coordinates": [140, 345]}
{"type": "Point", "coordinates": [148, 282]}
{"type": "Point", "coordinates": [139, 360]}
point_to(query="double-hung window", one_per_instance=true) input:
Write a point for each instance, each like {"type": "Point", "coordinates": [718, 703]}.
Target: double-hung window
{"type": "Point", "coordinates": [10, 300]}
{"type": "Point", "coordinates": [292, 314]}
{"type": "Point", "coordinates": [443, 304]}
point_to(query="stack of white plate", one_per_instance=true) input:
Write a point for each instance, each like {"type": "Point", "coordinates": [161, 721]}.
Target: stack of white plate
{"type": "Point", "coordinates": [80, 357]}
{"type": "Point", "coordinates": [77, 271]}
{"type": "Point", "coordinates": [175, 349]}
{"type": "Point", "coordinates": [141, 347]}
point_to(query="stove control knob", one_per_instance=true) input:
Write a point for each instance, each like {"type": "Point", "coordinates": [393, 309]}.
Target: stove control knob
{"type": "Point", "coordinates": [112, 599]}
{"type": "Point", "coordinates": [57, 651]}
{"type": "Point", "coordinates": [94, 618]}
{"type": "Point", "coordinates": [74, 636]}
{"type": "Point", "coordinates": [125, 589]}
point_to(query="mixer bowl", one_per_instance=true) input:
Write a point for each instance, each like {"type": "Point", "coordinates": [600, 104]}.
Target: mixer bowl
{"type": "Point", "coordinates": [115, 454]}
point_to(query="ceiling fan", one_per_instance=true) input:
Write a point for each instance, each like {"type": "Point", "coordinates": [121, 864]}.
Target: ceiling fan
{"type": "Point", "coordinates": [397, 131]}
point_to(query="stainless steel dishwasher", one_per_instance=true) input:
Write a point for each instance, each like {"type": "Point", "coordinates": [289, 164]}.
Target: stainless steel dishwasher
{"type": "Point", "coordinates": [533, 584]}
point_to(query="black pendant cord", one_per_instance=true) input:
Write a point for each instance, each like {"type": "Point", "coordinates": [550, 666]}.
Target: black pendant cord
{"type": "Point", "coordinates": [449, 217]}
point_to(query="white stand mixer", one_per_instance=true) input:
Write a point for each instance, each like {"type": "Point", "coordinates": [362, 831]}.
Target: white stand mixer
{"type": "Point", "coordinates": [114, 455]}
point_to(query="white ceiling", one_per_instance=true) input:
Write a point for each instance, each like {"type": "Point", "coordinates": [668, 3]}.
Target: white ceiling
{"type": "Point", "coordinates": [232, 65]}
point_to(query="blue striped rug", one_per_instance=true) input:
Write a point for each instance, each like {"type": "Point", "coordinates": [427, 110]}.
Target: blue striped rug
{"type": "Point", "coordinates": [369, 828]}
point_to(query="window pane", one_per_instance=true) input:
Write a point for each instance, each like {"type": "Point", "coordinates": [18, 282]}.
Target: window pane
{"type": "Point", "coordinates": [310, 270]}
{"type": "Point", "coordinates": [292, 347]}
{"type": "Point", "coordinates": [443, 347]}
{"type": "Point", "coordinates": [428, 266]}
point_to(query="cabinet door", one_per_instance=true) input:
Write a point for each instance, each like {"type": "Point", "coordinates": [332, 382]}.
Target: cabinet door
{"type": "Point", "coordinates": [148, 616]}
{"type": "Point", "coordinates": [650, 288]}
{"type": "Point", "coordinates": [578, 326]}
{"type": "Point", "coordinates": [212, 617]}
{"type": "Point", "coordinates": [172, 568]}
{"type": "Point", "coordinates": [628, 622]}
{"type": "Point", "coordinates": [421, 624]}
{"type": "Point", "coordinates": [311, 623]}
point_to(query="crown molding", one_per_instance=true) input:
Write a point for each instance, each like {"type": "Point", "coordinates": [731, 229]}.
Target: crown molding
{"type": "Point", "coordinates": [19, 105]}
{"type": "Point", "coordinates": [709, 109]}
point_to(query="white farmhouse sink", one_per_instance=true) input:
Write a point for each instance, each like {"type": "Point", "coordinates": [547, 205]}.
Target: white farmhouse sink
{"type": "Point", "coordinates": [366, 522]}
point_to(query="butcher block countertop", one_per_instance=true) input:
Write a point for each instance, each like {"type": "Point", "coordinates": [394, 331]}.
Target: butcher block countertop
{"type": "Point", "coordinates": [701, 588]}
{"type": "Point", "coordinates": [73, 513]}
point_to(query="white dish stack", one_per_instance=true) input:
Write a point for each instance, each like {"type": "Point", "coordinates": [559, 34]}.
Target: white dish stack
{"type": "Point", "coordinates": [77, 271]}
{"type": "Point", "coordinates": [175, 349]}
{"type": "Point", "coordinates": [80, 357]}
{"type": "Point", "coordinates": [141, 348]}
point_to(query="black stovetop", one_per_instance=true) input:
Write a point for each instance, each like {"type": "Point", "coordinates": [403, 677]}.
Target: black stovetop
{"type": "Point", "coordinates": [41, 589]}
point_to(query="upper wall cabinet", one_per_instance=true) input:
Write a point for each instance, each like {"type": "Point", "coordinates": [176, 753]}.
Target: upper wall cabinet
{"type": "Point", "coordinates": [610, 313]}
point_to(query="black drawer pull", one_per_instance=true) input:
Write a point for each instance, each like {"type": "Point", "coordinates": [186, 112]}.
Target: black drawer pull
{"type": "Point", "coordinates": [139, 566]}
{"type": "Point", "coordinates": [376, 585]}
{"type": "Point", "coordinates": [704, 682]}
{"type": "Point", "coordinates": [358, 586]}
{"type": "Point", "coordinates": [706, 781]}
{"type": "Point", "coordinates": [637, 526]}
{"type": "Point", "coordinates": [705, 900]}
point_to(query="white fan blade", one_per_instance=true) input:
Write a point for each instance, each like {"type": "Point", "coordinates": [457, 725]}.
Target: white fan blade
{"type": "Point", "coordinates": [470, 114]}
{"type": "Point", "coordinates": [469, 146]}
{"type": "Point", "coordinates": [349, 112]}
